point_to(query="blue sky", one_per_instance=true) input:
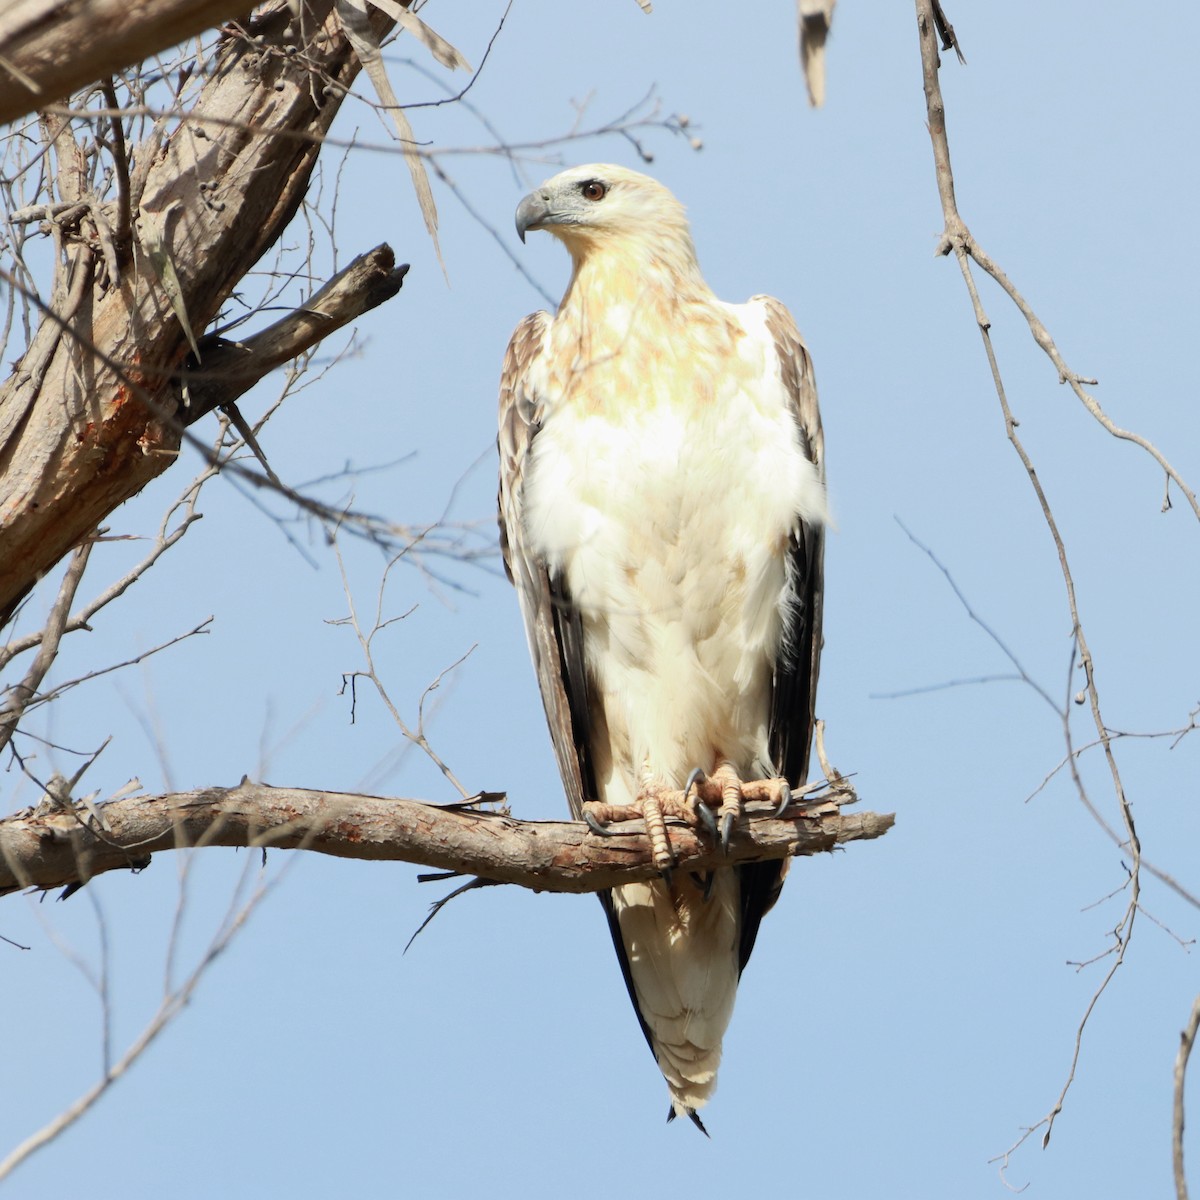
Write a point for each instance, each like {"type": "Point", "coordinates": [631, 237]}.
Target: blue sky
{"type": "Point", "coordinates": [910, 1006]}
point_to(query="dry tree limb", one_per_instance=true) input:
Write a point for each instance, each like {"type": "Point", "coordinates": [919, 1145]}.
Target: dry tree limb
{"type": "Point", "coordinates": [228, 369]}
{"type": "Point", "coordinates": [816, 18]}
{"type": "Point", "coordinates": [49, 48]}
{"type": "Point", "coordinates": [56, 847]}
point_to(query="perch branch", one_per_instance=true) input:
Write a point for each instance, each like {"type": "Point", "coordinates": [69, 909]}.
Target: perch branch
{"type": "Point", "coordinates": [48, 849]}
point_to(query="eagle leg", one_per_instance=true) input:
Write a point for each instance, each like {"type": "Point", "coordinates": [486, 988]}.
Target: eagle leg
{"type": "Point", "coordinates": [650, 798]}
{"type": "Point", "coordinates": [654, 805]}
{"type": "Point", "coordinates": [723, 791]}
{"type": "Point", "coordinates": [727, 793]}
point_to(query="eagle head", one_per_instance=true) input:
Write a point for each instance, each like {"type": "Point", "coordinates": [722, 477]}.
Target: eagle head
{"type": "Point", "coordinates": [589, 206]}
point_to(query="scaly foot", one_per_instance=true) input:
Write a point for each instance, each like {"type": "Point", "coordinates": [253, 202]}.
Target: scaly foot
{"type": "Point", "coordinates": [654, 805]}
{"type": "Point", "coordinates": [715, 801]}
{"type": "Point", "coordinates": [723, 794]}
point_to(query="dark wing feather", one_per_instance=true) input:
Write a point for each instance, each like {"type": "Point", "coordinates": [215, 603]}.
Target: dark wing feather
{"type": "Point", "coordinates": [551, 621]}
{"type": "Point", "coordinates": [794, 691]}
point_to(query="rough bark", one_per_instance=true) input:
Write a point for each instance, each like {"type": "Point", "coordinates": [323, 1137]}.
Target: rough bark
{"type": "Point", "coordinates": [58, 845]}
{"type": "Point", "coordinates": [49, 48]}
{"type": "Point", "coordinates": [93, 410]}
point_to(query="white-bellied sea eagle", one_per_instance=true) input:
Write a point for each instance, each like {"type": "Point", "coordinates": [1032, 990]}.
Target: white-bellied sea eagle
{"type": "Point", "coordinates": [662, 505]}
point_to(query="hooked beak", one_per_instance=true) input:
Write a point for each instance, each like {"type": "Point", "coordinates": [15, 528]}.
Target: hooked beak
{"type": "Point", "coordinates": [532, 212]}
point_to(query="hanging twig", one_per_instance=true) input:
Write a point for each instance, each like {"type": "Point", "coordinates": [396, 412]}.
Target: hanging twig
{"type": "Point", "coordinates": [957, 240]}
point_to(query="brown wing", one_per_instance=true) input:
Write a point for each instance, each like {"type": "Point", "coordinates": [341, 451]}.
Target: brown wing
{"type": "Point", "coordinates": [794, 690]}
{"type": "Point", "coordinates": [551, 623]}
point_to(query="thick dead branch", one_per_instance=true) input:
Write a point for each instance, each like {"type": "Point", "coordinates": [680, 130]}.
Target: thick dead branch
{"type": "Point", "coordinates": [49, 48]}
{"type": "Point", "coordinates": [92, 411]}
{"type": "Point", "coordinates": [65, 845]}
{"type": "Point", "coordinates": [228, 369]}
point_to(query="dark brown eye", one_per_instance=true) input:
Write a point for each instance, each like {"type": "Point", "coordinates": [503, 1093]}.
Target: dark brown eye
{"type": "Point", "coordinates": [593, 189]}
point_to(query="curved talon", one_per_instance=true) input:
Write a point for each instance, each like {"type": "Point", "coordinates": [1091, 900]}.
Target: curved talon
{"type": "Point", "coordinates": [666, 876]}
{"type": "Point", "coordinates": [785, 798]}
{"type": "Point", "coordinates": [595, 826]}
{"type": "Point", "coordinates": [726, 831]}
{"type": "Point", "coordinates": [706, 816]}
{"type": "Point", "coordinates": [697, 776]}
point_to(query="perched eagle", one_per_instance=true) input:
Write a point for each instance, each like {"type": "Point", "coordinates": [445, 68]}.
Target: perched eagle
{"type": "Point", "coordinates": [662, 503]}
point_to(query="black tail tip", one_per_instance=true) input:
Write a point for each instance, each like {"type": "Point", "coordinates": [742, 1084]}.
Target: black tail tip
{"type": "Point", "coordinates": [692, 1116]}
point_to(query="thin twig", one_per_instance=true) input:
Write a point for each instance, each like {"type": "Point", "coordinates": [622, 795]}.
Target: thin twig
{"type": "Point", "coordinates": [1187, 1040]}
{"type": "Point", "coordinates": [123, 233]}
{"type": "Point", "coordinates": [163, 542]}
{"type": "Point", "coordinates": [172, 1004]}
{"type": "Point", "coordinates": [365, 641]}
{"type": "Point", "coordinates": [23, 693]}
{"type": "Point", "coordinates": [997, 640]}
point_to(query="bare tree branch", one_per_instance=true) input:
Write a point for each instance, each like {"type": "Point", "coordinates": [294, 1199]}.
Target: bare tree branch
{"type": "Point", "coordinates": [228, 369]}
{"type": "Point", "coordinates": [49, 48]}
{"type": "Point", "coordinates": [1187, 1039]}
{"type": "Point", "coordinates": [48, 849]}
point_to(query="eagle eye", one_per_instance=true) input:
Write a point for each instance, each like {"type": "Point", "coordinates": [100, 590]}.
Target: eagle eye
{"type": "Point", "coordinates": [593, 189]}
